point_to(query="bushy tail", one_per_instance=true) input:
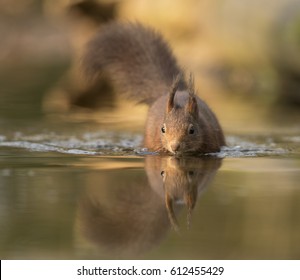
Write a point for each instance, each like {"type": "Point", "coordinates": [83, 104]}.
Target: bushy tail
{"type": "Point", "coordinates": [136, 59]}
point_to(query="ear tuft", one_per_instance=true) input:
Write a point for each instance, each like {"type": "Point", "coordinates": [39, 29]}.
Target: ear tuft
{"type": "Point", "coordinates": [191, 85]}
{"type": "Point", "coordinates": [192, 106]}
{"type": "Point", "coordinates": [174, 87]}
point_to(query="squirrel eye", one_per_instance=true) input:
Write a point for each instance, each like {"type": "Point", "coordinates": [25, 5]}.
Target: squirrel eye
{"type": "Point", "coordinates": [191, 173]}
{"type": "Point", "coordinates": [191, 129]}
{"type": "Point", "coordinates": [162, 173]}
{"type": "Point", "coordinates": [163, 129]}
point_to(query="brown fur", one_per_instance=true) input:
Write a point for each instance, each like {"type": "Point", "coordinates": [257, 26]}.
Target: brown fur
{"type": "Point", "coordinates": [141, 65]}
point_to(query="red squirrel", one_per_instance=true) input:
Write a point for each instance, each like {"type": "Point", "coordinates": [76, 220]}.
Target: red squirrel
{"type": "Point", "coordinates": [140, 65]}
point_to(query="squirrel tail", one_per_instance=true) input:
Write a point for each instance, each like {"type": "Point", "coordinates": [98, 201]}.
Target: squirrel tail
{"type": "Point", "coordinates": [136, 60]}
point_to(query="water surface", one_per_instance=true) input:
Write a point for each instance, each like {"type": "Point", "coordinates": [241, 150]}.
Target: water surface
{"type": "Point", "coordinates": [92, 193]}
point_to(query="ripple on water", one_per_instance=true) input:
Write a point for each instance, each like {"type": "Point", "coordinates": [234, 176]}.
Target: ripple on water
{"type": "Point", "coordinates": [238, 147]}
{"type": "Point", "coordinates": [102, 143]}
{"type": "Point", "coordinates": [108, 143]}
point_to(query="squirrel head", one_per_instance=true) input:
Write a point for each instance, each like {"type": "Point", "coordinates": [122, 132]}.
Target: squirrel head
{"type": "Point", "coordinates": [181, 128]}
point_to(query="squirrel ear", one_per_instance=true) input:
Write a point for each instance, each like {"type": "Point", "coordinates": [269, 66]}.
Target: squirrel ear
{"type": "Point", "coordinates": [174, 87]}
{"type": "Point", "coordinates": [192, 106]}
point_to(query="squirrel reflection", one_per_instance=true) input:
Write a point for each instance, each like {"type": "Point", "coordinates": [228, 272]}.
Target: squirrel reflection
{"type": "Point", "coordinates": [180, 180]}
{"type": "Point", "coordinates": [128, 214]}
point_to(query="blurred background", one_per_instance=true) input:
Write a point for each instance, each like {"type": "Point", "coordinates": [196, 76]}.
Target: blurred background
{"type": "Point", "coordinates": [245, 55]}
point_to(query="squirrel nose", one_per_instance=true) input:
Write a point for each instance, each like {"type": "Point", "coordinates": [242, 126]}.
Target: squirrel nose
{"type": "Point", "coordinates": [175, 146]}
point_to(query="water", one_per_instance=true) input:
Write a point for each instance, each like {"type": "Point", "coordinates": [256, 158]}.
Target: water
{"type": "Point", "coordinates": [87, 191]}
{"type": "Point", "coordinates": [80, 185]}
